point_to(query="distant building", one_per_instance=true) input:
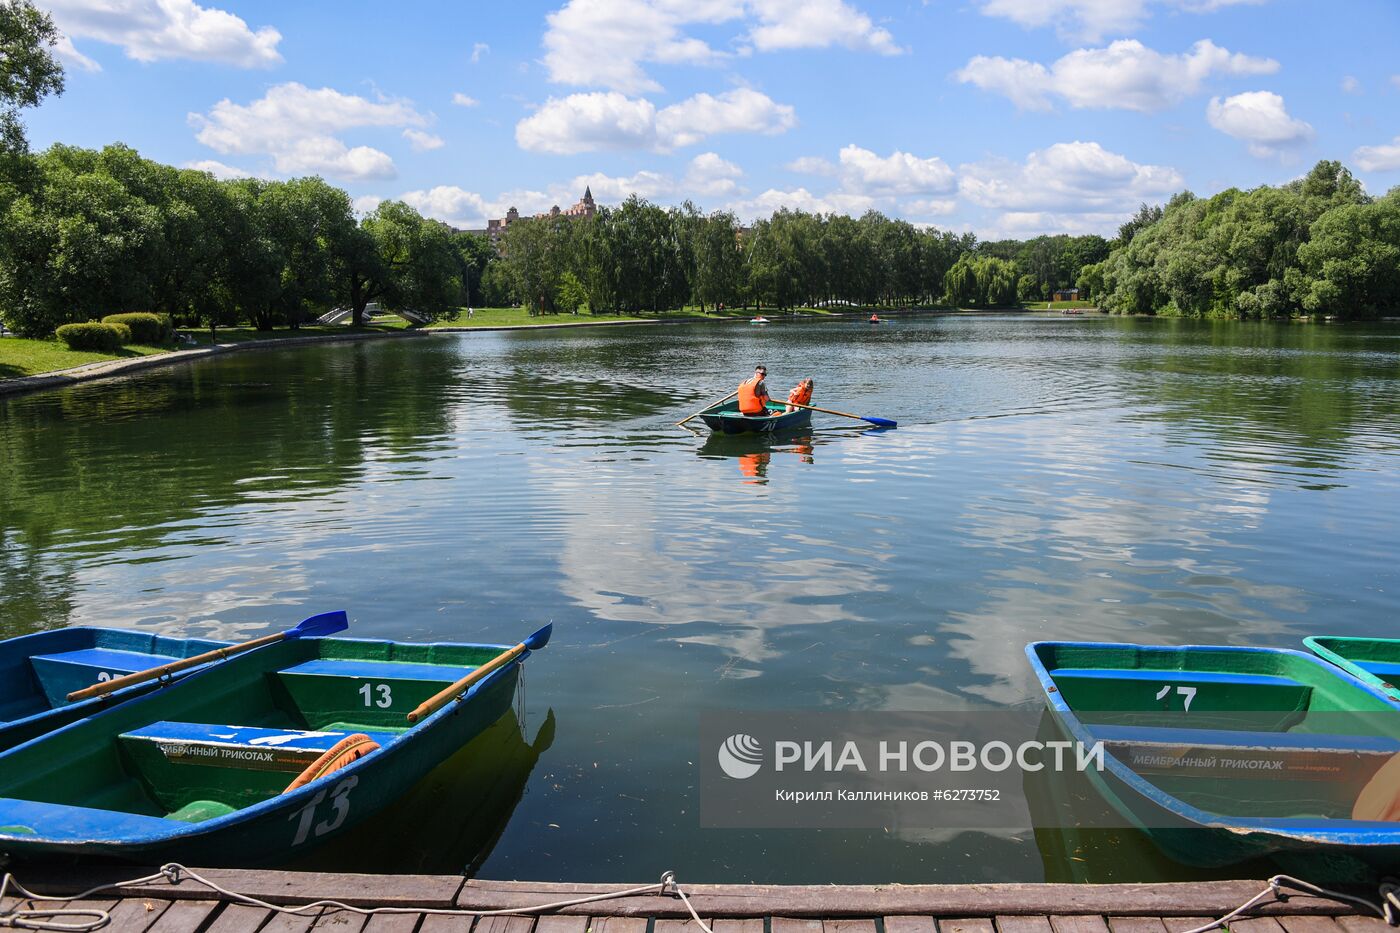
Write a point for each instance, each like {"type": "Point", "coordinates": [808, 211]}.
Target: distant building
{"type": "Point", "coordinates": [1065, 294]}
{"type": "Point", "coordinates": [586, 207]}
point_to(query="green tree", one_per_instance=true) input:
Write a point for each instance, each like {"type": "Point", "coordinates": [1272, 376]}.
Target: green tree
{"type": "Point", "coordinates": [29, 72]}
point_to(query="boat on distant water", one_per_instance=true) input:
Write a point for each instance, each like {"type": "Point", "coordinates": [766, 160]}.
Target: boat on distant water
{"type": "Point", "coordinates": [38, 671]}
{"type": "Point", "coordinates": [1071, 310]}
{"type": "Point", "coordinates": [1223, 754]}
{"type": "Point", "coordinates": [209, 769]}
{"type": "Point", "coordinates": [727, 419]}
{"type": "Point", "coordinates": [759, 320]}
{"type": "Point", "coordinates": [1373, 661]}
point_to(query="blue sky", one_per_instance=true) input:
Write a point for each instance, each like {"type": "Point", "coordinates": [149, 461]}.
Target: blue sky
{"type": "Point", "coordinates": [1004, 117]}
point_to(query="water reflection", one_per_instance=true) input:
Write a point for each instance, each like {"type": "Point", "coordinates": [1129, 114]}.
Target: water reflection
{"type": "Point", "coordinates": [753, 454]}
{"type": "Point", "coordinates": [449, 822]}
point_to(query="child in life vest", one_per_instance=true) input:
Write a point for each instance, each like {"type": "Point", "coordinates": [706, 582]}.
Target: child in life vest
{"type": "Point", "coordinates": [801, 394]}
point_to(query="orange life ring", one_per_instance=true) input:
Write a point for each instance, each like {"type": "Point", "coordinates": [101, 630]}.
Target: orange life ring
{"type": "Point", "coordinates": [348, 750]}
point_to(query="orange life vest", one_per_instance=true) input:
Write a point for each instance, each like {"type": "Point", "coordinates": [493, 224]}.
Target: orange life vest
{"type": "Point", "coordinates": [750, 401]}
{"type": "Point", "coordinates": [801, 394]}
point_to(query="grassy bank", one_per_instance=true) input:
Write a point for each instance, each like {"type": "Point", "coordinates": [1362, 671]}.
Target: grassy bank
{"type": "Point", "coordinates": [1058, 305]}
{"type": "Point", "coordinates": [519, 317]}
{"type": "Point", "coordinates": [23, 357]}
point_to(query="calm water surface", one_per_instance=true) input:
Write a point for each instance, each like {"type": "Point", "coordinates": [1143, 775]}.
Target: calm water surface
{"type": "Point", "coordinates": [1157, 481]}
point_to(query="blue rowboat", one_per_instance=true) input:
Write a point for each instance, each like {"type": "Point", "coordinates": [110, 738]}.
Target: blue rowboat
{"type": "Point", "coordinates": [37, 672]}
{"type": "Point", "coordinates": [726, 419]}
{"type": "Point", "coordinates": [1220, 755]}
{"type": "Point", "coordinates": [1373, 661]}
{"type": "Point", "coordinates": [209, 770]}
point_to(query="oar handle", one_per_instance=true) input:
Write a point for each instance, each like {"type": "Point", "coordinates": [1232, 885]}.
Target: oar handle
{"type": "Point", "coordinates": [707, 408]}
{"type": "Point", "coordinates": [435, 702]}
{"type": "Point", "coordinates": [116, 683]}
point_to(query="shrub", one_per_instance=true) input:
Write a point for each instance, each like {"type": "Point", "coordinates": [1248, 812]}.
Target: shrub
{"type": "Point", "coordinates": [100, 338]}
{"type": "Point", "coordinates": [145, 327]}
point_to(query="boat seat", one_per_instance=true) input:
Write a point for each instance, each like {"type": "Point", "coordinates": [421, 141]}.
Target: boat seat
{"type": "Point", "coordinates": [376, 694]}
{"type": "Point", "coordinates": [1385, 670]}
{"type": "Point", "coordinates": [60, 822]}
{"type": "Point", "coordinates": [192, 743]}
{"type": "Point", "coordinates": [1214, 695]}
{"type": "Point", "coordinates": [61, 673]}
{"type": "Point", "coordinates": [196, 770]}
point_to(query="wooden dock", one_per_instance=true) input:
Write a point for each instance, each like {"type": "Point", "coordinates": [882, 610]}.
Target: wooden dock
{"type": "Point", "coordinates": [189, 907]}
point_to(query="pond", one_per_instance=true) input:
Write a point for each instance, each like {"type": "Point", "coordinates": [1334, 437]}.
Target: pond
{"type": "Point", "coordinates": [1082, 478]}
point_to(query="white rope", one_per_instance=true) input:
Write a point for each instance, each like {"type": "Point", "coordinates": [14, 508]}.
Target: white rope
{"type": "Point", "coordinates": [29, 918]}
{"type": "Point", "coordinates": [1388, 910]}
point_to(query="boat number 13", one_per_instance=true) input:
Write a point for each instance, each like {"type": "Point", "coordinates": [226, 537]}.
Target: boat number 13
{"type": "Point", "coordinates": [383, 701]}
{"type": "Point", "coordinates": [1187, 693]}
{"type": "Point", "coordinates": [340, 809]}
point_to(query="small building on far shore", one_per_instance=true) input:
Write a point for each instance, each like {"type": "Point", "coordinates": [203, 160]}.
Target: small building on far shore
{"type": "Point", "coordinates": [1065, 294]}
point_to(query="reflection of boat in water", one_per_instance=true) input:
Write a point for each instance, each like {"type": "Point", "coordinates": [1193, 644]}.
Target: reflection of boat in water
{"type": "Point", "coordinates": [449, 822]}
{"type": "Point", "coordinates": [1224, 755]}
{"type": "Point", "coordinates": [755, 452]}
{"type": "Point", "coordinates": [726, 419]}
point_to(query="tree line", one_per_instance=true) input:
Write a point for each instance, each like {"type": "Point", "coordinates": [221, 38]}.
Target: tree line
{"type": "Point", "coordinates": [1318, 245]}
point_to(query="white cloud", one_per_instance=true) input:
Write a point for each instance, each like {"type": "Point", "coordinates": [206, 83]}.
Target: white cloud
{"type": "Point", "coordinates": [1260, 119]}
{"type": "Point", "coordinates": [742, 110]}
{"type": "Point", "coordinates": [609, 120]}
{"type": "Point", "coordinates": [479, 49]}
{"type": "Point", "coordinates": [896, 174]}
{"type": "Point", "coordinates": [930, 207]}
{"type": "Point", "coordinates": [1093, 19]}
{"type": "Point", "coordinates": [63, 47]}
{"type": "Point", "coordinates": [1383, 158]}
{"type": "Point", "coordinates": [421, 141]}
{"type": "Point", "coordinates": [1067, 178]}
{"type": "Point", "coordinates": [153, 30]}
{"type": "Point", "coordinates": [366, 203]}
{"type": "Point", "coordinates": [295, 125]}
{"type": "Point", "coordinates": [811, 165]}
{"type": "Point", "coordinates": [607, 43]}
{"type": "Point", "coordinates": [218, 169]}
{"type": "Point", "coordinates": [836, 202]}
{"type": "Point", "coordinates": [816, 24]}
{"type": "Point", "coordinates": [711, 176]}
{"type": "Point", "coordinates": [449, 203]}
{"type": "Point", "coordinates": [1350, 85]}
{"type": "Point", "coordinates": [464, 100]}
{"type": "Point", "coordinates": [604, 42]}
{"type": "Point", "coordinates": [1126, 75]}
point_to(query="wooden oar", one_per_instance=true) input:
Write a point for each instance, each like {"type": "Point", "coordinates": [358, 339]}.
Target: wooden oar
{"type": "Point", "coordinates": [458, 690]}
{"type": "Point", "coordinates": [878, 422]}
{"type": "Point", "coordinates": [327, 623]}
{"type": "Point", "coordinates": [708, 407]}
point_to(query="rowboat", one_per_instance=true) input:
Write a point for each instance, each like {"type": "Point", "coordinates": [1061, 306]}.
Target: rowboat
{"type": "Point", "coordinates": [1373, 661]}
{"type": "Point", "coordinates": [38, 671]}
{"type": "Point", "coordinates": [205, 770]}
{"type": "Point", "coordinates": [1224, 754]}
{"type": "Point", "coordinates": [726, 419]}
{"type": "Point", "coordinates": [759, 320]}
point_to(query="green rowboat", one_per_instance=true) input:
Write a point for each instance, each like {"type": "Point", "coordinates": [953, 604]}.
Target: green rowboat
{"type": "Point", "coordinates": [1373, 661]}
{"type": "Point", "coordinates": [1224, 754]}
{"type": "Point", "coordinates": [198, 771]}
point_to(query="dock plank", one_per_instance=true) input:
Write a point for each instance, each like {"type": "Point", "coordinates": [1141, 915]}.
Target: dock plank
{"type": "Point", "coordinates": [1255, 925]}
{"type": "Point", "coordinates": [135, 915]}
{"type": "Point", "coordinates": [677, 925]}
{"type": "Point", "coordinates": [1358, 924]}
{"type": "Point", "coordinates": [795, 925]}
{"type": "Point", "coordinates": [618, 925]}
{"type": "Point", "coordinates": [239, 918]}
{"type": "Point", "coordinates": [1013, 924]}
{"type": "Point", "coordinates": [1078, 923]}
{"type": "Point", "coordinates": [184, 917]}
{"type": "Point", "coordinates": [966, 925]}
{"type": "Point", "coordinates": [346, 921]}
{"type": "Point", "coordinates": [907, 923]}
{"type": "Point", "coordinates": [395, 923]}
{"type": "Point", "coordinates": [504, 925]}
{"type": "Point", "coordinates": [291, 923]}
{"type": "Point", "coordinates": [442, 923]}
{"type": "Point", "coordinates": [848, 926]}
{"type": "Point", "coordinates": [744, 925]}
{"type": "Point", "coordinates": [1137, 925]}
{"type": "Point", "coordinates": [1310, 925]}
{"type": "Point", "coordinates": [559, 924]}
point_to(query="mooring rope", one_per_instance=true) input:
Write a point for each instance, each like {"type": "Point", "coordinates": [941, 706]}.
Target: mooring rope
{"type": "Point", "coordinates": [91, 919]}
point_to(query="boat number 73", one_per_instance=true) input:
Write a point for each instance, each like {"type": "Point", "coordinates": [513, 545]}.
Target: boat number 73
{"type": "Point", "coordinates": [1189, 693]}
{"type": "Point", "coordinates": [340, 809]}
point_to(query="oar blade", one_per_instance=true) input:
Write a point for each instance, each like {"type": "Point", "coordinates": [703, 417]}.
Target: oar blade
{"type": "Point", "coordinates": [541, 638]}
{"type": "Point", "coordinates": [882, 422]}
{"type": "Point", "coordinates": [319, 626]}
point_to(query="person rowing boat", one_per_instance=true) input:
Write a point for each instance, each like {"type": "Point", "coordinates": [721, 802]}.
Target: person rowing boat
{"type": "Point", "coordinates": [753, 394]}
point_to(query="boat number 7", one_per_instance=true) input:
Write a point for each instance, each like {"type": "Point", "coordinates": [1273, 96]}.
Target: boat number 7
{"type": "Point", "coordinates": [340, 809]}
{"type": "Point", "coordinates": [1188, 692]}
